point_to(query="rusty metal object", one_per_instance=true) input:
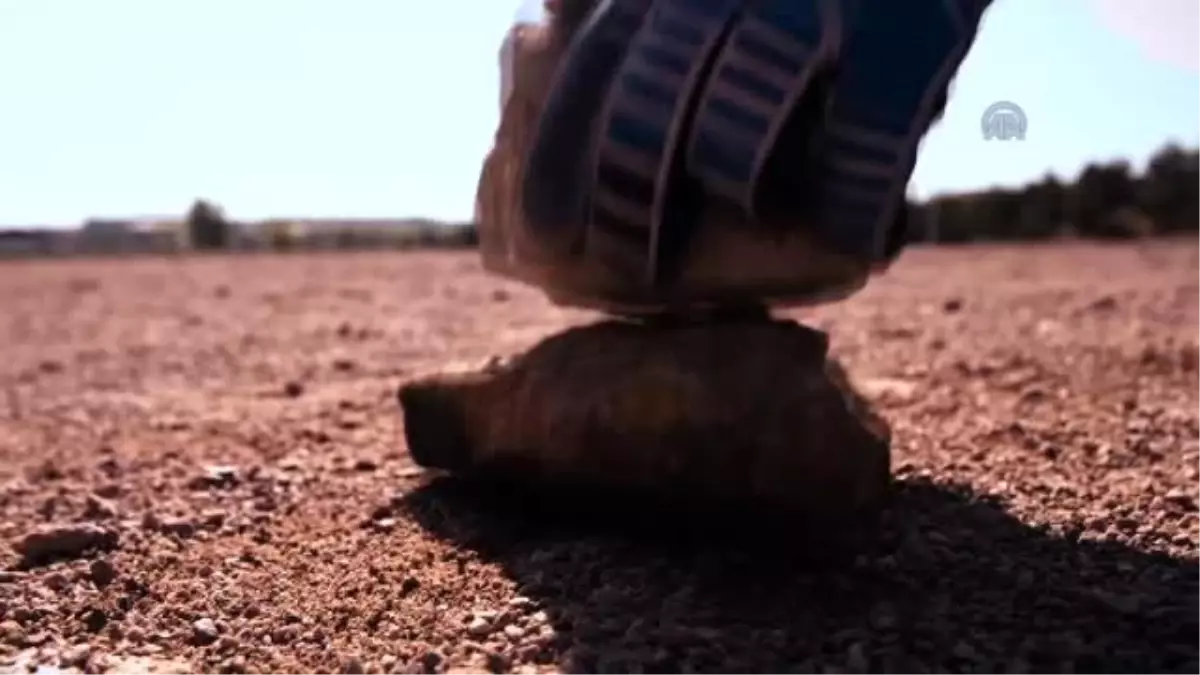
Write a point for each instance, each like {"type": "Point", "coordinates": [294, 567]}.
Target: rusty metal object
{"type": "Point", "coordinates": [743, 410]}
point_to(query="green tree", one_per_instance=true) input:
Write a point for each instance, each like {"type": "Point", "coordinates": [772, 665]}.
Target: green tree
{"type": "Point", "coordinates": [1042, 210]}
{"type": "Point", "coordinates": [1169, 191]}
{"type": "Point", "coordinates": [1101, 191]}
{"type": "Point", "coordinates": [207, 227]}
{"type": "Point", "coordinates": [1106, 200]}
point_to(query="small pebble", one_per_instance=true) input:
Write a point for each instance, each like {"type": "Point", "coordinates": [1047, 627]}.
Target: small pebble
{"type": "Point", "coordinates": [99, 508]}
{"type": "Point", "coordinates": [479, 627]}
{"type": "Point", "coordinates": [76, 657]}
{"type": "Point", "coordinates": [102, 572]}
{"type": "Point", "coordinates": [12, 633]}
{"type": "Point", "coordinates": [204, 631]}
{"type": "Point", "coordinates": [70, 540]}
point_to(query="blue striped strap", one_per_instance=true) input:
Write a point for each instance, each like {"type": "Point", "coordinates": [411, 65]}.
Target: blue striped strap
{"type": "Point", "coordinates": [764, 70]}
{"type": "Point", "coordinates": [893, 75]}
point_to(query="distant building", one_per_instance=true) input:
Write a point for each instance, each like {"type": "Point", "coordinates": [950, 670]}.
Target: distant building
{"type": "Point", "coordinates": [30, 242]}
{"type": "Point", "coordinates": [124, 236]}
{"type": "Point", "coordinates": [103, 236]}
{"type": "Point", "coordinates": [342, 233]}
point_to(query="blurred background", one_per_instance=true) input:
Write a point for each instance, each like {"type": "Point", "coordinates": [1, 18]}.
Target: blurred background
{"type": "Point", "coordinates": [146, 126]}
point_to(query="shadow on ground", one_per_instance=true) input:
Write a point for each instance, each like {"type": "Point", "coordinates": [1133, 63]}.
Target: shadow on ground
{"type": "Point", "coordinates": [947, 581]}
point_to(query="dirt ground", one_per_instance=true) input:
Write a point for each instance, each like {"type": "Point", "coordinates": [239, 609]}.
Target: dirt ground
{"type": "Point", "coordinates": [202, 468]}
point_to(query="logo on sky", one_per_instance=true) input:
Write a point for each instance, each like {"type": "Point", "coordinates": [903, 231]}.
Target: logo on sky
{"type": "Point", "coordinates": [1004, 121]}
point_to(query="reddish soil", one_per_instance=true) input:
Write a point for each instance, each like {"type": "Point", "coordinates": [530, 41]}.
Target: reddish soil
{"type": "Point", "coordinates": [202, 468]}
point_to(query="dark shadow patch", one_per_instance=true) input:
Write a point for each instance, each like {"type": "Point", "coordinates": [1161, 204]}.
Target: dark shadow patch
{"type": "Point", "coordinates": [944, 581]}
{"type": "Point", "coordinates": [491, 513]}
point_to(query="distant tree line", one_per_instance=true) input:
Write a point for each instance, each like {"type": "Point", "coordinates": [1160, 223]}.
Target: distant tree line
{"type": "Point", "coordinates": [209, 229]}
{"type": "Point", "coordinates": [1107, 200]}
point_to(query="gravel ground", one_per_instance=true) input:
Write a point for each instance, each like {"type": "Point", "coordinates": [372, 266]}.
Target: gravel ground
{"type": "Point", "coordinates": [202, 468]}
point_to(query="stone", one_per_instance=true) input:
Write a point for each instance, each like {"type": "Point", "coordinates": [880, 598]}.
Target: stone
{"type": "Point", "coordinates": [64, 540]}
{"type": "Point", "coordinates": [102, 572]}
{"type": "Point", "coordinates": [204, 631]}
{"type": "Point", "coordinates": [746, 409]}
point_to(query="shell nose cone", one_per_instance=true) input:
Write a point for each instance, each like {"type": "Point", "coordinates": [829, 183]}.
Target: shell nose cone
{"type": "Point", "coordinates": [434, 428]}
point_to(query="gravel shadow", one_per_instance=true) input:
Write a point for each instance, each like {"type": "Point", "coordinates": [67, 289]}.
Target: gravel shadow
{"type": "Point", "coordinates": [945, 581]}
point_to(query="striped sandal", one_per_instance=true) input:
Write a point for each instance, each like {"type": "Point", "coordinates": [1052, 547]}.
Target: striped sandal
{"type": "Point", "coordinates": [891, 83]}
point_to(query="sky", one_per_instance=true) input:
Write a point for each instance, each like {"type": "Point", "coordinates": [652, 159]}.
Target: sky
{"type": "Point", "coordinates": [377, 108]}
